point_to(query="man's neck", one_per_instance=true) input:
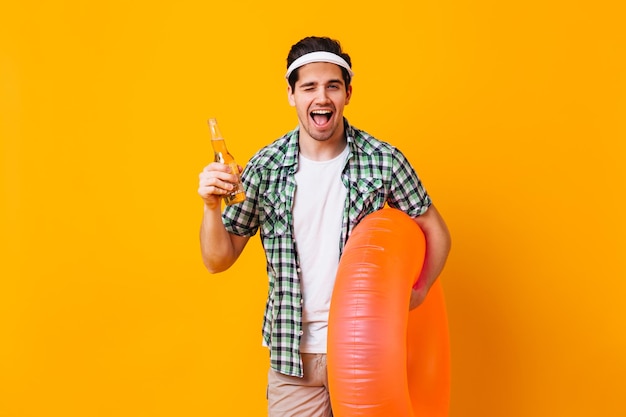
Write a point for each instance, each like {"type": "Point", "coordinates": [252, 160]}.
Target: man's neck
{"type": "Point", "coordinates": [321, 150]}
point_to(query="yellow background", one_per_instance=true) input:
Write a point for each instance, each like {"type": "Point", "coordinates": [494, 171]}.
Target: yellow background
{"type": "Point", "coordinates": [512, 113]}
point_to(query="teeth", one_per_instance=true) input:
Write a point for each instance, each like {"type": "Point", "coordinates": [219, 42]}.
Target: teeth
{"type": "Point", "coordinates": [321, 112]}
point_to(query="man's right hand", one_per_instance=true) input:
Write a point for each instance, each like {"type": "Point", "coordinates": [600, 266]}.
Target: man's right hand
{"type": "Point", "coordinates": [216, 180]}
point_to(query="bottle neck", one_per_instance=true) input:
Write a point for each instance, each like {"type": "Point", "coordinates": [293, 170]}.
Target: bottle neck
{"type": "Point", "coordinates": [219, 145]}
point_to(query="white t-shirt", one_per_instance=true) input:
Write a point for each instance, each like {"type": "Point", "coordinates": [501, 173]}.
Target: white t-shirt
{"type": "Point", "coordinates": [317, 213]}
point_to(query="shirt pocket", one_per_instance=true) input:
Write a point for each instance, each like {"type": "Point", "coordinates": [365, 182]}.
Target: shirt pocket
{"type": "Point", "coordinates": [274, 214]}
{"type": "Point", "coordinates": [367, 195]}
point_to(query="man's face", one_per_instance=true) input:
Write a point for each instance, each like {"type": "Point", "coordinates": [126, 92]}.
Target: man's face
{"type": "Point", "coordinates": [319, 96]}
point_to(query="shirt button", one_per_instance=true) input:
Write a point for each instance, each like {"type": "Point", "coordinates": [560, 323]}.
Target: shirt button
{"type": "Point", "coordinates": [299, 270]}
{"type": "Point", "coordinates": [302, 301]}
{"type": "Point", "coordinates": [300, 332]}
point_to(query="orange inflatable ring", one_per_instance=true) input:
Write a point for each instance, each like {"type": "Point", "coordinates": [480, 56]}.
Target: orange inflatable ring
{"type": "Point", "coordinates": [383, 360]}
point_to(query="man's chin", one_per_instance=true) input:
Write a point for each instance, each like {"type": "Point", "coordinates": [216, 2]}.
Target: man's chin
{"type": "Point", "coordinates": [321, 136]}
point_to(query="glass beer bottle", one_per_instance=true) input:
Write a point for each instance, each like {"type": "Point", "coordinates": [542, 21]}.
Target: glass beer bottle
{"type": "Point", "coordinates": [237, 195]}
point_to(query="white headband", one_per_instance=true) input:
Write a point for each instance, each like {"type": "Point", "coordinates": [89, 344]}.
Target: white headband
{"type": "Point", "coordinates": [319, 56]}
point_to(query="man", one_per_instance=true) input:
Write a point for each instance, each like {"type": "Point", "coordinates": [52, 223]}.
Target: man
{"type": "Point", "coordinates": [306, 192]}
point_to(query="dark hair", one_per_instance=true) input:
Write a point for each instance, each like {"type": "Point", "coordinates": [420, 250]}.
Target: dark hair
{"type": "Point", "coordinates": [316, 44]}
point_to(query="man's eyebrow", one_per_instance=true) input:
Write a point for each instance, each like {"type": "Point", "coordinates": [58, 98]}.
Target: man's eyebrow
{"type": "Point", "coordinates": [309, 84]}
{"type": "Point", "coordinates": [314, 83]}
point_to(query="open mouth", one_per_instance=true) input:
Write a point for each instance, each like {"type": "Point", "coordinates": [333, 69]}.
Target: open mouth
{"type": "Point", "coordinates": [321, 117]}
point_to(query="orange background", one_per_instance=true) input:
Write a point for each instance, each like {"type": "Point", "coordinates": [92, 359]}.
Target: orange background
{"type": "Point", "coordinates": [512, 113]}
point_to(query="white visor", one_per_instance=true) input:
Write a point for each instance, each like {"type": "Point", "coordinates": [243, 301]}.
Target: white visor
{"type": "Point", "coordinates": [319, 56]}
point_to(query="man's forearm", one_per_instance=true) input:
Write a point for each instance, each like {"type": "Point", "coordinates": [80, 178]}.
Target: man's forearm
{"type": "Point", "coordinates": [438, 245]}
{"type": "Point", "coordinates": [218, 252]}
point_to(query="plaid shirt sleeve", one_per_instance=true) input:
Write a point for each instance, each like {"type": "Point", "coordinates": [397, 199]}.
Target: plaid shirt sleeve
{"type": "Point", "coordinates": [243, 219]}
{"type": "Point", "coordinates": [406, 190]}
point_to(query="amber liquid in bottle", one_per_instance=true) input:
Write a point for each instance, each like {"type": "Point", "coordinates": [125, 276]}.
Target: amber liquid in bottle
{"type": "Point", "coordinates": [237, 195]}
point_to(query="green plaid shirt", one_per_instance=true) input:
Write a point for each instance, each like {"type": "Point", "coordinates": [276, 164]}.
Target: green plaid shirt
{"type": "Point", "coordinates": [375, 173]}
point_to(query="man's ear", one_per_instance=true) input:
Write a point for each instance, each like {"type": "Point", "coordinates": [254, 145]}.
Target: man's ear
{"type": "Point", "coordinates": [292, 100]}
{"type": "Point", "coordinates": [348, 94]}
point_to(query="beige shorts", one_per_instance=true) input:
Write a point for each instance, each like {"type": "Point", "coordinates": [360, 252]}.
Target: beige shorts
{"type": "Point", "coordinates": [290, 396]}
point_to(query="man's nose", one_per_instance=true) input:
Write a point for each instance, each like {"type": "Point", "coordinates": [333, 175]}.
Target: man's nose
{"type": "Point", "coordinates": [322, 96]}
